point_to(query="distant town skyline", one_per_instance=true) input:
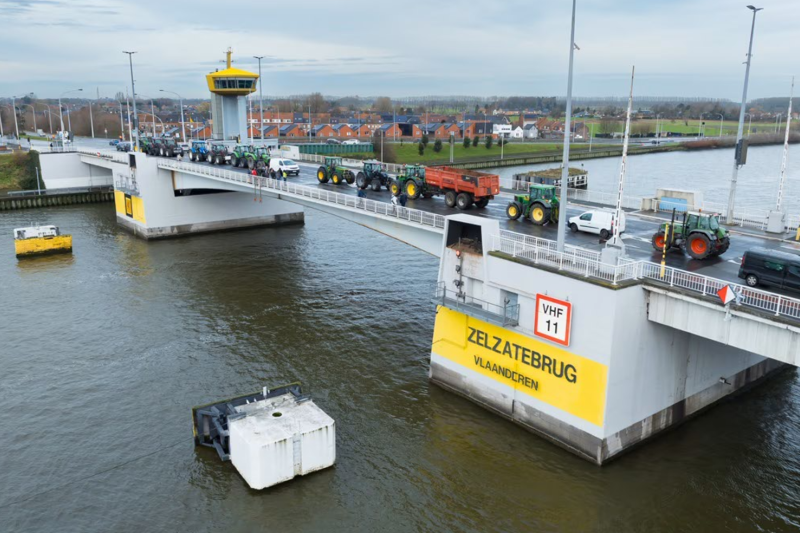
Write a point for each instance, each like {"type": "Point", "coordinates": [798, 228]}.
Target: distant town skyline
{"type": "Point", "coordinates": [505, 48]}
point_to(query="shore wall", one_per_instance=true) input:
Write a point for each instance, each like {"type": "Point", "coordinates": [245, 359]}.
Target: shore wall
{"type": "Point", "coordinates": [54, 200]}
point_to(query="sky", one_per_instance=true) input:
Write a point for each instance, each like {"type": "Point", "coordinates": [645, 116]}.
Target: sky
{"type": "Point", "coordinates": [684, 48]}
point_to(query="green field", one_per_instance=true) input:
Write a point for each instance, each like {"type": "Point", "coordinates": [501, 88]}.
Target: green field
{"type": "Point", "coordinates": [409, 152]}
{"type": "Point", "coordinates": [690, 127]}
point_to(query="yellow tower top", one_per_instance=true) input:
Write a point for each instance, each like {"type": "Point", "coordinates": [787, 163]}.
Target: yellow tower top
{"type": "Point", "coordinates": [231, 81]}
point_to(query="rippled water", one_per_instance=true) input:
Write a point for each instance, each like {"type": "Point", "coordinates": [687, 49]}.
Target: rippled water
{"type": "Point", "coordinates": [708, 171]}
{"type": "Point", "coordinates": [104, 353]}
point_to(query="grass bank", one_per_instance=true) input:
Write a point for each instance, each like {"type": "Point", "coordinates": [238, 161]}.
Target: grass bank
{"type": "Point", "coordinates": [17, 171]}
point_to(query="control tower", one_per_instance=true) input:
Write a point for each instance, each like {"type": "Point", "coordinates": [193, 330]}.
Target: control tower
{"type": "Point", "coordinates": [229, 89]}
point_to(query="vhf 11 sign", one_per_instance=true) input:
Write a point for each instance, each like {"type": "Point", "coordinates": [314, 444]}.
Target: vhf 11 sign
{"type": "Point", "coordinates": [553, 319]}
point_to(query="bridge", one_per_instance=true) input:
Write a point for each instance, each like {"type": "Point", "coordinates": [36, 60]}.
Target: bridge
{"type": "Point", "coordinates": [649, 345]}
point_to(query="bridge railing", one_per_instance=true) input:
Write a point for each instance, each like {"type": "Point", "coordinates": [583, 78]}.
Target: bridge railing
{"type": "Point", "coordinates": [118, 157]}
{"type": "Point", "coordinates": [362, 204]}
{"type": "Point", "coordinates": [587, 265]}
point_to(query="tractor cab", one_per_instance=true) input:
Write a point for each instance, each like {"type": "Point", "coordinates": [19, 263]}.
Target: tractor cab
{"type": "Point", "coordinates": [333, 161]}
{"type": "Point", "coordinates": [698, 234]}
{"type": "Point", "coordinates": [540, 205]}
{"type": "Point", "coordinates": [542, 192]}
{"type": "Point", "coordinates": [372, 166]}
{"type": "Point", "coordinates": [415, 171]}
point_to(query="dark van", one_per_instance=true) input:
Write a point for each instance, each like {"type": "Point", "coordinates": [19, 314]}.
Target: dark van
{"type": "Point", "coordinates": [761, 266]}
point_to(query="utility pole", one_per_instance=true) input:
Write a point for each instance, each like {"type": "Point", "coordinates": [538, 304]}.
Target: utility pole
{"type": "Point", "coordinates": [562, 208]}
{"type": "Point", "coordinates": [261, 99]}
{"type": "Point", "coordinates": [133, 92]}
{"type": "Point", "coordinates": [740, 145]}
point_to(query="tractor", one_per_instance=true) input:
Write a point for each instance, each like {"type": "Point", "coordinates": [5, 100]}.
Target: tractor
{"type": "Point", "coordinates": [373, 176]}
{"type": "Point", "coordinates": [198, 151]}
{"type": "Point", "coordinates": [698, 234]}
{"type": "Point", "coordinates": [218, 154]}
{"type": "Point", "coordinates": [333, 170]}
{"type": "Point", "coordinates": [261, 161]}
{"type": "Point", "coordinates": [540, 205]}
{"type": "Point", "coordinates": [146, 145]}
{"type": "Point", "coordinates": [412, 181]}
{"type": "Point", "coordinates": [239, 155]}
{"type": "Point", "coordinates": [166, 147]}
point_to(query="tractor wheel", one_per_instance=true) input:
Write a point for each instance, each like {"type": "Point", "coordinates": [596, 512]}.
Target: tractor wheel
{"type": "Point", "coordinates": [348, 177]}
{"type": "Point", "coordinates": [513, 210]}
{"type": "Point", "coordinates": [723, 246]}
{"type": "Point", "coordinates": [336, 178]}
{"type": "Point", "coordinates": [658, 241]}
{"type": "Point", "coordinates": [209, 158]}
{"type": "Point", "coordinates": [449, 198]}
{"type": "Point", "coordinates": [218, 160]}
{"type": "Point", "coordinates": [375, 185]}
{"type": "Point", "coordinates": [161, 151]}
{"type": "Point", "coordinates": [482, 203]}
{"type": "Point", "coordinates": [540, 214]}
{"type": "Point", "coordinates": [463, 200]}
{"type": "Point", "coordinates": [361, 180]}
{"type": "Point", "coordinates": [322, 175]}
{"type": "Point", "coordinates": [395, 188]}
{"type": "Point", "coordinates": [413, 190]}
{"type": "Point", "coordinates": [251, 164]}
{"type": "Point", "coordinates": [698, 246]}
{"type": "Point", "coordinates": [751, 280]}
{"type": "Point", "coordinates": [235, 161]}
{"type": "Point", "coordinates": [573, 227]}
{"type": "Point", "coordinates": [191, 156]}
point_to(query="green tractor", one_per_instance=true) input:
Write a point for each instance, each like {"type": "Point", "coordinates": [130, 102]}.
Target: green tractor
{"type": "Point", "coordinates": [146, 145]}
{"type": "Point", "coordinates": [412, 181]}
{"type": "Point", "coordinates": [333, 170]}
{"type": "Point", "coordinates": [239, 155]}
{"type": "Point", "coordinates": [698, 234]}
{"type": "Point", "coordinates": [260, 161]}
{"type": "Point", "coordinates": [373, 176]}
{"type": "Point", "coordinates": [540, 205]}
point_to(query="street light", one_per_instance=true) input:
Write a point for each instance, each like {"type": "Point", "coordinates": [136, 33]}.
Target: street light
{"type": "Point", "coordinates": [749, 122]}
{"type": "Point", "coordinates": [133, 91]}
{"type": "Point", "coordinates": [562, 211]}
{"type": "Point", "coordinates": [657, 135]}
{"type": "Point", "coordinates": [260, 99]}
{"type": "Point", "coordinates": [61, 110]}
{"type": "Point", "coordinates": [700, 126]}
{"type": "Point", "coordinates": [180, 98]}
{"type": "Point", "coordinates": [154, 121]}
{"type": "Point", "coordinates": [50, 117]}
{"type": "Point", "coordinates": [14, 111]}
{"type": "Point", "coordinates": [33, 109]}
{"type": "Point", "coordinates": [740, 131]}
{"type": "Point", "coordinates": [152, 110]}
{"type": "Point", "coordinates": [778, 122]}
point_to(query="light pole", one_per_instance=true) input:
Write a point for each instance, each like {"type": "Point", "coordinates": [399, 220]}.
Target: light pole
{"type": "Point", "coordinates": [61, 110]}
{"type": "Point", "coordinates": [133, 91]}
{"type": "Point", "coordinates": [152, 110]}
{"type": "Point", "coordinates": [778, 122]}
{"type": "Point", "coordinates": [562, 210]}
{"type": "Point", "coordinates": [91, 118]}
{"type": "Point", "coordinates": [180, 99]}
{"type": "Point", "coordinates": [591, 135]}
{"type": "Point", "coordinates": [154, 121]}
{"type": "Point", "coordinates": [14, 111]}
{"type": "Point", "coordinates": [700, 126]}
{"type": "Point", "coordinates": [260, 98]}
{"type": "Point", "coordinates": [33, 109]}
{"type": "Point", "coordinates": [121, 122]}
{"type": "Point", "coordinates": [739, 134]}
{"type": "Point", "coordinates": [749, 122]}
{"type": "Point", "coordinates": [50, 118]}
{"type": "Point", "coordinates": [657, 134]}
{"type": "Point", "coordinates": [721, 119]}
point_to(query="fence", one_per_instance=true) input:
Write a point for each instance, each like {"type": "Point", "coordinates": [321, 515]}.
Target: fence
{"type": "Point", "coordinates": [505, 315]}
{"type": "Point", "coordinates": [362, 204]}
{"type": "Point", "coordinates": [590, 266]}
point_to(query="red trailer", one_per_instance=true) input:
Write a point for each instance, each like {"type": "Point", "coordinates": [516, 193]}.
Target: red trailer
{"type": "Point", "coordinates": [461, 188]}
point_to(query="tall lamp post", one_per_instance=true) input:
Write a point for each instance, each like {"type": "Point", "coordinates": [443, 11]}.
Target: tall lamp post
{"type": "Point", "coordinates": [260, 98]}
{"type": "Point", "coordinates": [152, 110]}
{"type": "Point", "coordinates": [180, 99]}
{"type": "Point", "coordinates": [721, 119]}
{"type": "Point", "coordinates": [33, 110]}
{"type": "Point", "coordinates": [61, 109]}
{"type": "Point", "coordinates": [133, 91]}
{"type": "Point", "coordinates": [562, 210]}
{"type": "Point", "coordinates": [49, 117]}
{"type": "Point", "coordinates": [14, 111]}
{"type": "Point", "coordinates": [738, 159]}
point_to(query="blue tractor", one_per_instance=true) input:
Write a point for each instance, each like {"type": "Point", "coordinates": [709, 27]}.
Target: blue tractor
{"type": "Point", "coordinates": [198, 151]}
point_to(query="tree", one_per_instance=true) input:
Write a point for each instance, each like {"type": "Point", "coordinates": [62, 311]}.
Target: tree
{"type": "Point", "coordinates": [475, 141]}
{"type": "Point", "coordinates": [437, 146]}
{"type": "Point", "coordinates": [489, 142]}
{"type": "Point", "coordinates": [383, 104]}
{"type": "Point", "coordinates": [317, 103]}
{"type": "Point", "coordinates": [424, 139]}
{"type": "Point", "coordinates": [642, 129]}
{"type": "Point", "coordinates": [467, 143]}
{"type": "Point", "coordinates": [421, 148]}
{"type": "Point", "coordinates": [119, 97]}
{"type": "Point", "coordinates": [608, 125]}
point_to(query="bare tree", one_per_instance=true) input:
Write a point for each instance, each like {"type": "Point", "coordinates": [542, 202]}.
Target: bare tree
{"type": "Point", "coordinates": [383, 104]}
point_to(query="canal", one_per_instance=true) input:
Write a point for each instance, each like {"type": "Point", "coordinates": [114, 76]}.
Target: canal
{"type": "Point", "coordinates": [104, 353]}
{"type": "Point", "coordinates": [704, 170]}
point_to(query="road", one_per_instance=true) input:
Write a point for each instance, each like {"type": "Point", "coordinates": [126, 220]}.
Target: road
{"type": "Point", "coordinates": [640, 228]}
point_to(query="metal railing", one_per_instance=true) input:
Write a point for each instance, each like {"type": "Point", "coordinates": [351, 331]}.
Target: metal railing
{"type": "Point", "coordinates": [414, 216]}
{"type": "Point", "coordinates": [118, 157]}
{"type": "Point", "coordinates": [504, 315]}
{"type": "Point", "coordinates": [589, 265]}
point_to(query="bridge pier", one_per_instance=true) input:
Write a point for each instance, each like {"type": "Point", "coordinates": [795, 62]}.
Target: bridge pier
{"type": "Point", "coordinates": [154, 203]}
{"type": "Point", "coordinates": [598, 377]}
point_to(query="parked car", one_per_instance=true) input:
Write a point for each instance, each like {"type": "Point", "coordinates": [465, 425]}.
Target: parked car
{"type": "Point", "coordinates": [351, 141]}
{"type": "Point", "coordinates": [123, 146]}
{"type": "Point", "coordinates": [278, 165]}
{"type": "Point", "coordinates": [333, 141]}
{"type": "Point", "coordinates": [762, 266]}
{"type": "Point", "coordinates": [597, 221]}
{"type": "Point", "coordinates": [114, 142]}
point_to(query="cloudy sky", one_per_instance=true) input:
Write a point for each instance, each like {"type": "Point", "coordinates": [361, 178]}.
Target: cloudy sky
{"type": "Point", "coordinates": [400, 48]}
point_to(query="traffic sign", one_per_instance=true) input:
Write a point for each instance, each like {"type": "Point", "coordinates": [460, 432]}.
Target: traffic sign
{"type": "Point", "coordinates": [553, 319]}
{"type": "Point", "coordinates": [726, 294]}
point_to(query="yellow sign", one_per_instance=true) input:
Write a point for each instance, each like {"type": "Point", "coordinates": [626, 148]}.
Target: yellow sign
{"type": "Point", "coordinates": [130, 206]}
{"type": "Point", "coordinates": [555, 376]}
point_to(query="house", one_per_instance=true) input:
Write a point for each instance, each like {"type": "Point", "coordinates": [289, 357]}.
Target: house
{"type": "Point", "coordinates": [442, 130]}
{"type": "Point", "coordinates": [292, 130]}
{"type": "Point", "coordinates": [502, 130]}
{"type": "Point", "coordinates": [343, 130]}
{"type": "Point", "coordinates": [323, 130]}
{"type": "Point", "coordinates": [529, 118]}
{"type": "Point", "coordinates": [390, 130]}
{"type": "Point", "coordinates": [360, 130]}
{"type": "Point", "coordinates": [410, 130]}
{"type": "Point", "coordinates": [515, 133]}
{"type": "Point", "coordinates": [530, 131]}
{"type": "Point", "coordinates": [269, 131]}
{"type": "Point", "coordinates": [474, 128]}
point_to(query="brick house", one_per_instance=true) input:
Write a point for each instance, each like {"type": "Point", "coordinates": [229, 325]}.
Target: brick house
{"type": "Point", "coordinates": [292, 130]}
{"type": "Point", "coordinates": [343, 130]}
{"type": "Point", "coordinates": [323, 130]}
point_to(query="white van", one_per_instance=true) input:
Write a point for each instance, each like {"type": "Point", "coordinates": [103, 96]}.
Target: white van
{"type": "Point", "coordinates": [597, 221]}
{"type": "Point", "coordinates": [279, 164]}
